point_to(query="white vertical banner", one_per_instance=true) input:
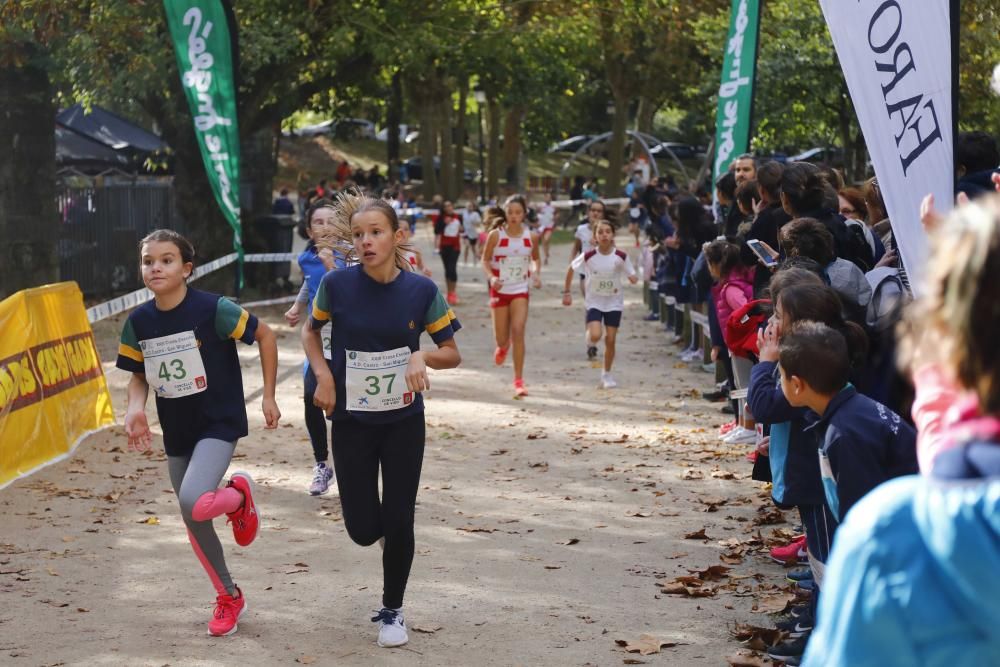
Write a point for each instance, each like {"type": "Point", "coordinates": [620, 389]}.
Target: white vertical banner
{"type": "Point", "coordinates": [897, 60]}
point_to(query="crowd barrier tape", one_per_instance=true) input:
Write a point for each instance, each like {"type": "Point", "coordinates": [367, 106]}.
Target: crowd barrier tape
{"type": "Point", "coordinates": [52, 387]}
{"type": "Point", "coordinates": [120, 304]}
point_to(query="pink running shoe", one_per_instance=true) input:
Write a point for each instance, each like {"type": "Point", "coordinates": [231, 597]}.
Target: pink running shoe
{"type": "Point", "coordinates": [792, 553]}
{"type": "Point", "coordinates": [228, 610]}
{"type": "Point", "coordinates": [519, 388]}
{"type": "Point", "coordinates": [245, 520]}
{"type": "Point", "coordinates": [499, 355]}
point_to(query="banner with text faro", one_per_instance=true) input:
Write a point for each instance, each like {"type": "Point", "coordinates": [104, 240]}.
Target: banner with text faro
{"type": "Point", "coordinates": [204, 50]}
{"type": "Point", "coordinates": [739, 66]}
{"type": "Point", "coordinates": [52, 387]}
{"type": "Point", "coordinates": [897, 60]}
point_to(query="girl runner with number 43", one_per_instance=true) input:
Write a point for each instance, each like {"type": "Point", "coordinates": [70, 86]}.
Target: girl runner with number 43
{"type": "Point", "coordinates": [183, 345]}
{"type": "Point", "coordinates": [371, 387]}
{"type": "Point", "coordinates": [603, 268]}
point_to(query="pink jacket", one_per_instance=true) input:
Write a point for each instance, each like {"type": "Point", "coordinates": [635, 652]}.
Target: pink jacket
{"type": "Point", "coordinates": [733, 293]}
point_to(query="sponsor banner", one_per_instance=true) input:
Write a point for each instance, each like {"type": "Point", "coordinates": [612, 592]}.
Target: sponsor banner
{"type": "Point", "coordinates": [204, 50]}
{"type": "Point", "coordinates": [52, 387]}
{"type": "Point", "coordinates": [897, 61]}
{"type": "Point", "coordinates": [739, 67]}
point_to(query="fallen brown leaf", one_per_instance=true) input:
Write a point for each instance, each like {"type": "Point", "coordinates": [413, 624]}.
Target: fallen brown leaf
{"type": "Point", "coordinates": [691, 473]}
{"type": "Point", "coordinates": [696, 535]}
{"type": "Point", "coordinates": [744, 659]}
{"type": "Point", "coordinates": [426, 629]}
{"type": "Point", "coordinates": [757, 638]}
{"type": "Point", "coordinates": [723, 474]}
{"type": "Point", "coordinates": [773, 604]}
{"type": "Point", "coordinates": [644, 645]}
{"type": "Point", "coordinates": [570, 542]}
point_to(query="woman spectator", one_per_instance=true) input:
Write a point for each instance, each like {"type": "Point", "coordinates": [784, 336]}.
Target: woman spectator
{"type": "Point", "coordinates": [770, 217]}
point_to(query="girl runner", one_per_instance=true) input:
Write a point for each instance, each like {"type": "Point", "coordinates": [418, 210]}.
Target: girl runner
{"type": "Point", "coordinates": [583, 238]}
{"type": "Point", "coordinates": [183, 343]}
{"type": "Point", "coordinates": [605, 301]}
{"type": "Point", "coordinates": [546, 223]}
{"type": "Point", "coordinates": [470, 223]}
{"type": "Point", "coordinates": [315, 262]}
{"type": "Point", "coordinates": [448, 241]}
{"type": "Point", "coordinates": [509, 257]}
{"type": "Point", "coordinates": [371, 387]}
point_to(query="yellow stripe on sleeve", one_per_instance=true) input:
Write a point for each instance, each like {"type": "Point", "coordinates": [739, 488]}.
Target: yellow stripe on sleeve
{"type": "Point", "coordinates": [440, 323]}
{"type": "Point", "coordinates": [241, 326]}
{"type": "Point", "coordinates": [319, 314]}
{"type": "Point", "coordinates": [130, 352]}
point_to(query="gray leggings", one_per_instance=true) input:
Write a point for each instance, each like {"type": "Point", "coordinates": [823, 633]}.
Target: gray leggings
{"type": "Point", "coordinates": [192, 477]}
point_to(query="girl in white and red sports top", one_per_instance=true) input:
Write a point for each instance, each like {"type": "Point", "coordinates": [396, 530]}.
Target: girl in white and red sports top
{"type": "Point", "coordinates": [546, 223]}
{"type": "Point", "coordinates": [414, 256]}
{"type": "Point", "coordinates": [510, 260]}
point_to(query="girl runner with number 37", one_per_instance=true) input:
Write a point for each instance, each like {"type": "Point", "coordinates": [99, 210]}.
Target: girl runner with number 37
{"type": "Point", "coordinates": [603, 268]}
{"type": "Point", "coordinates": [510, 258]}
{"type": "Point", "coordinates": [183, 344]}
{"type": "Point", "coordinates": [371, 387]}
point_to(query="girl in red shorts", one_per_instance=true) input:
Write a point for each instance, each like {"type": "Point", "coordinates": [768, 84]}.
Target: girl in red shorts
{"type": "Point", "coordinates": [510, 260]}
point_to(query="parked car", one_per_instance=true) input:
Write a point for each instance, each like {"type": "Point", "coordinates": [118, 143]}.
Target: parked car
{"type": "Point", "coordinates": [819, 155]}
{"type": "Point", "coordinates": [682, 151]}
{"type": "Point", "coordinates": [570, 145]}
{"type": "Point", "coordinates": [404, 131]}
{"type": "Point", "coordinates": [343, 128]}
{"type": "Point", "coordinates": [415, 169]}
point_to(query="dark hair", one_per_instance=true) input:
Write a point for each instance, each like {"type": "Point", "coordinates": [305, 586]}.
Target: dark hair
{"type": "Point", "coordinates": [745, 156]}
{"type": "Point", "coordinates": [689, 218]}
{"type": "Point", "coordinates": [808, 237]}
{"type": "Point", "coordinates": [788, 275]}
{"type": "Point", "coordinates": [316, 206]}
{"type": "Point", "coordinates": [855, 198]}
{"type": "Point", "coordinates": [284, 192]}
{"type": "Point", "coordinates": [726, 185]}
{"type": "Point", "coordinates": [724, 254]}
{"type": "Point", "coordinates": [817, 354]}
{"type": "Point", "coordinates": [810, 301]}
{"type": "Point", "coordinates": [746, 193]}
{"type": "Point", "coordinates": [769, 179]}
{"type": "Point", "coordinates": [170, 236]}
{"type": "Point", "coordinates": [804, 186]}
{"type": "Point", "coordinates": [976, 151]}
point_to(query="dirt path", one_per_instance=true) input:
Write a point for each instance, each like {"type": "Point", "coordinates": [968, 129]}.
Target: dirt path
{"type": "Point", "coordinates": [543, 528]}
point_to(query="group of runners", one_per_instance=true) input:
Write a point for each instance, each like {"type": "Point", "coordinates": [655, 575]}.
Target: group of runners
{"type": "Point", "coordinates": [364, 304]}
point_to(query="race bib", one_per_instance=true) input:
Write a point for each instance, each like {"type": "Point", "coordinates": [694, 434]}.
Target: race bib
{"type": "Point", "coordinates": [604, 284]}
{"type": "Point", "coordinates": [513, 269]}
{"type": "Point", "coordinates": [376, 381]}
{"type": "Point", "coordinates": [173, 365]}
{"type": "Point", "coordinates": [452, 228]}
{"type": "Point", "coordinates": [326, 334]}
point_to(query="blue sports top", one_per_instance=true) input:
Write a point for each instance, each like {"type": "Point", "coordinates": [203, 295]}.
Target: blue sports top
{"type": "Point", "coordinates": [217, 412]}
{"type": "Point", "coordinates": [369, 316]}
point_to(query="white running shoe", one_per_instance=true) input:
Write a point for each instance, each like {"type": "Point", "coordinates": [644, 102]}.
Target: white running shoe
{"type": "Point", "coordinates": [322, 474]}
{"type": "Point", "coordinates": [741, 436]}
{"type": "Point", "coordinates": [391, 628]}
{"type": "Point", "coordinates": [608, 381]}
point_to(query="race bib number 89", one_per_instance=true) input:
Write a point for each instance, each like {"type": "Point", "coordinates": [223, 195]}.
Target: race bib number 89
{"type": "Point", "coordinates": [604, 284]}
{"type": "Point", "coordinates": [375, 381]}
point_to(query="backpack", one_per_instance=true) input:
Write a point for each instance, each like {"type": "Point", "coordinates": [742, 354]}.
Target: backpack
{"type": "Point", "coordinates": [856, 246]}
{"type": "Point", "coordinates": [889, 296]}
{"type": "Point", "coordinates": [741, 328]}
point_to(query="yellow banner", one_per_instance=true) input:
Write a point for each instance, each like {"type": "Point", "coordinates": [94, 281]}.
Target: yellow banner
{"type": "Point", "coordinates": [52, 387]}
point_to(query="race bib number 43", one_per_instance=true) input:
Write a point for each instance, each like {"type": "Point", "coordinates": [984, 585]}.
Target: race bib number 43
{"type": "Point", "coordinates": [173, 365]}
{"type": "Point", "coordinates": [376, 382]}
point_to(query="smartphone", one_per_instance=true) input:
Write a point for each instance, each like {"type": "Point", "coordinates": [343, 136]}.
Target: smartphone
{"type": "Point", "coordinates": [758, 249]}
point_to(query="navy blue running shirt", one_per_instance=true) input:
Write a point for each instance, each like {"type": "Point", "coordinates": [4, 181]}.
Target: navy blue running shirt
{"type": "Point", "coordinates": [369, 316]}
{"type": "Point", "coordinates": [219, 411]}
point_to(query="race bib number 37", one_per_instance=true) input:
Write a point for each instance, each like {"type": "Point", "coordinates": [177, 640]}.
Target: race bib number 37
{"type": "Point", "coordinates": [173, 365]}
{"type": "Point", "coordinates": [376, 382]}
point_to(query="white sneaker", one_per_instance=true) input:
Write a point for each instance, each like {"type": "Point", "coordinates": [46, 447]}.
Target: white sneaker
{"type": "Point", "coordinates": [391, 628]}
{"type": "Point", "coordinates": [607, 381]}
{"type": "Point", "coordinates": [690, 355]}
{"type": "Point", "coordinates": [741, 436]}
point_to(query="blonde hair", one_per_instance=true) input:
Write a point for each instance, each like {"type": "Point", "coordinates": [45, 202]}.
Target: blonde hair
{"type": "Point", "coordinates": [339, 238]}
{"type": "Point", "coordinates": [957, 322]}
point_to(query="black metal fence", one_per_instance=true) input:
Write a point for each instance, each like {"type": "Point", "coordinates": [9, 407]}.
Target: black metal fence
{"type": "Point", "coordinates": [101, 227]}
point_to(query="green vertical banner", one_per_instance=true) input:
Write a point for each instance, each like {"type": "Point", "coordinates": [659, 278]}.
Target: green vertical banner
{"type": "Point", "coordinates": [202, 43]}
{"type": "Point", "coordinates": [739, 67]}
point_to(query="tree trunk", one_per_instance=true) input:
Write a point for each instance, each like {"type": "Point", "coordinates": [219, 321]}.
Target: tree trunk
{"type": "Point", "coordinates": [616, 151]}
{"type": "Point", "coordinates": [493, 157]}
{"type": "Point", "coordinates": [393, 116]}
{"type": "Point", "coordinates": [461, 134]}
{"type": "Point", "coordinates": [644, 121]}
{"type": "Point", "coordinates": [447, 180]}
{"type": "Point", "coordinates": [428, 145]}
{"type": "Point", "coordinates": [29, 218]}
{"type": "Point", "coordinates": [512, 144]}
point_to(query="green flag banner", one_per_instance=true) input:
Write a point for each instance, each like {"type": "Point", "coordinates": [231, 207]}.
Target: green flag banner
{"type": "Point", "coordinates": [732, 120]}
{"type": "Point", "coordinates": [200, 33]}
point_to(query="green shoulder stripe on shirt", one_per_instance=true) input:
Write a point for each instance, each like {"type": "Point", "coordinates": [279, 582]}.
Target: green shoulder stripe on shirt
{"type": "Point", "coordinates": [321, 305]}
{"type": "Point", "coordinates": [128, 345]}
{"type": "Point", "coordinates": [438, 315]}
{"type": "Point", "coordinates": [230, 319]}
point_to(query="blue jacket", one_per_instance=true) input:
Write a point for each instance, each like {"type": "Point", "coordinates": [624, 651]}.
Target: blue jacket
{"type": "Point", "coordinates": [794, 465]}
{"type": "Point", "coordinates": [862, 444]}
{"type": "Point", "coordinates": [912, 579]}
